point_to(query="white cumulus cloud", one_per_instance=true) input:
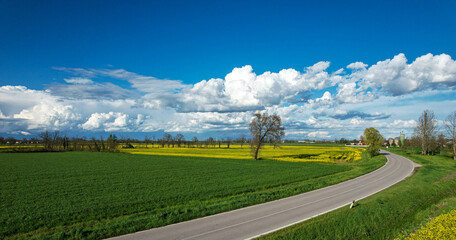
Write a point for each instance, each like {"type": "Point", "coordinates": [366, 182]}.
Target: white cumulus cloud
{"type": "Point", "coordinates": [109, 122]}
{"type": "Point", "coordinates": [244, 90]}
{"type": "Point", "coordinates": [395, 76]}
{"type": "Point", "coordinates": [38, 109]}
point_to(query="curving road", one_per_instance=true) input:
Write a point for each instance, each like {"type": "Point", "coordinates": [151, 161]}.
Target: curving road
{"type": "Point", "coordinates": [268, 217]}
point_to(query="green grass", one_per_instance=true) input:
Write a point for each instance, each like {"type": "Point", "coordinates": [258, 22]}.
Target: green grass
{"type": "Point", "coordinates": [97, 195]}
{"type": "Point", "coordinates": [392, 213]}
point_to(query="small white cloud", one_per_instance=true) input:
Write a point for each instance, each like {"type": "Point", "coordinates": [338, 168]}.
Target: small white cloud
{"type": "Point", "coordinates": [319, 134]}
{"type": "Point", "coordinates": [78, 80]}
{"type": "Point", "coordinates": [139, 119]}
{"type": "Point", "coordinates": [326, 97]}
{"type": "Point", "coordinates": [356, 121]}
{"type": "Point", "coordinates": [311, 121]}
{"type": "Point", "coordinates": [398, 124]}
{"type": "Point", "coordinates": [349, 93]}
{"type": "Point", "coordinates": [76, 71]}
{"type": "Point", "coordinates": [319, 67]}
{"type": "Point", "coordinates": [296, 132]}
{"type": "Point", "coordinates": [357, 65]}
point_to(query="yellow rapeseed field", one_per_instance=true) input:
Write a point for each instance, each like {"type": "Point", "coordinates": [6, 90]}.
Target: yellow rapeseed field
{"type": "Point", "coordinates": [283, 153]}
{"type": "Point", "coordinates": [20, 146]}
{"type": "Point", "coordinates": [442, 227]}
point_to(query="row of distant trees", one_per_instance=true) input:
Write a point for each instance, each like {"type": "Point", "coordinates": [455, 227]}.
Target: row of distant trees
{"type": "Point", "coordinates": [56, 141]}
{"type": "Point", "coordinates": [432, 139]}
{"type": "Point", "coordinates": [179, 140]}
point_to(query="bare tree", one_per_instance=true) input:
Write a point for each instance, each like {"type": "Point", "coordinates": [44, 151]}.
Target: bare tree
{"type": "Point", "coordinates": [94, 146]}
{"type": "Point", "coordinates": [128, 143]}
{"type": "Point", "coordinates": [56, 139]}
{"type": "Point", "coordinates": [242, 140]}
{"type": "Point", "coordinates": [173, 141]}
{"type": "Point", "coordinates": [450, 127]}
{"type": "Point", "coordinates": [210, 141]}
{"type": "Point", "coordinates": [228, 142]}
{"type": "Point", "coordinates": [66, 143]}
{"type": "Point", "coordinates": [146, 140]}
{"type": "Point", "coordinates": [47, 140]}
{"type": "Point", "coordinates": [195, 141]}
{"type": "Point", "coordinates": [166, 139]}
{"type": "Point", "coordinates": [179, 139]}
{"type": "Point", "coordinates": [112, 143]}
{"type": "Point", "coordinates": [426, 129]}
{"type": "Point", "coordinates": [102, 144]}
{"type": "Point", "coordinates": [262, 127]}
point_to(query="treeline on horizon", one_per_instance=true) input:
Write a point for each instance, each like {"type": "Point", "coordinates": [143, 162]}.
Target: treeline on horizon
{"type": "Point", "coordinates": [55, 141]}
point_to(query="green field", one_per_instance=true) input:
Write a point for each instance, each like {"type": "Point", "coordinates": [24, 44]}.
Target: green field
{"type": "Point", "coordinates": [97, 195]}
{"type": "Point", "coordinates": [392, 213]}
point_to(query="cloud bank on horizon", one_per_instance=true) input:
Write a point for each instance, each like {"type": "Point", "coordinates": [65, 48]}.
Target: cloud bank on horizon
{"type": "Point", "coordinates": [314, 103]}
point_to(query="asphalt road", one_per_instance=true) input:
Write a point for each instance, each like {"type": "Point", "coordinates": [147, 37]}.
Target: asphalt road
{"type": "Point", "coordinates": [268, 217]}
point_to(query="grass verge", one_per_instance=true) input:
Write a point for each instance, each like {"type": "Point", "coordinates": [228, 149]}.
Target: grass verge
{"type": "Point", "coordinates": [392, 213]}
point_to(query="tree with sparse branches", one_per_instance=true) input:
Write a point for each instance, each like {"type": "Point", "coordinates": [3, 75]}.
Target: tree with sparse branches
{"type": "Point", "coordinates": [264, 126]}
{"type": "Point", "coordinates": [179, 139]}
{"type": "Point", "coordinates": [112, 143]}
{"type": "Point", "coordinates": [146, 140]}
{"type": "Point", "coordinates": [166, 139]}
{"type": "Point", "coordinates": [228, 142]}
{"type": "Point", "coordinates": [374, 140]}
{"type": "Point", "coordinates": [210, 141]}
{"type": "Point", "coordinates": [426, 129]}
{"type": "Point", "coordinates": [47, 140]}
{"type": "Point", "coordinates": [195, 141]}
{"type": "Point", "coordinates": [242, 140]}
{"type": "Point", "coordinates": [450, 127]}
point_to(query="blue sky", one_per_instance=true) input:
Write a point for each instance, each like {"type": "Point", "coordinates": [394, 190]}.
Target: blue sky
{"type": "Point", "coordinates": [93, 67]}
